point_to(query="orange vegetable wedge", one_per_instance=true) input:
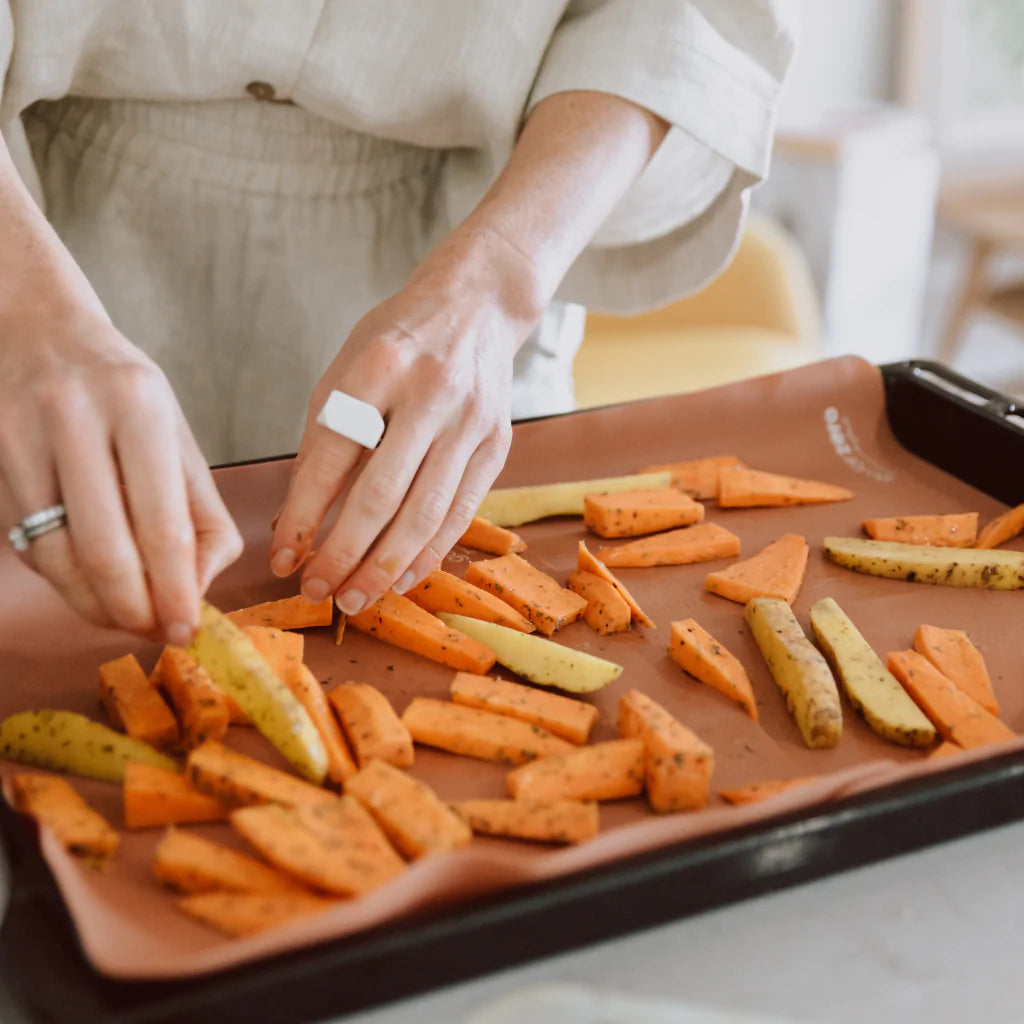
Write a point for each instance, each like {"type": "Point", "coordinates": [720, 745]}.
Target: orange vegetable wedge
{"type": "Point", "coordinates": [955, 715]}
{"type": "Point", "coordinates": [587, 562]}
{"type": "Point", "coordinates": [484, 535]}
{"type": "Point", "coordinates": [762, 790]}
{"type": "Point", "coordinates": [397, 620]}
{"type": "Point", "coordinates": [953, 654]}
{"type": "Point", "coordinates": [201, 706]}
{"type": "Point", "coordinates": [945, 749]}
{"type": "Point", "coordinates": [531, 592]}
{"type": "Point", "coordinates": [751, 488]}
{"type": "Point", "coordinates": [154, 796]}
{"type": "Point", "coordinates": [697, 477]}
{"type": "Point", "coordinates": [697, 652]}
{"type": "Point", "coordinates": [371, 725]}
{"type": "Point", "coordinates": [310, 694]}
{"type": "Point", "coordinates": [775, 571]}
{"type": "Point", "coordinates": [1001, 529]}
{"type": "Point", "coordinates": [443, 592]}
{"type": "Point", "coordinates": [603, 771]}
{"type": "Point", "coordinates": [57, 806]}
{"type": "Point", "coordinates": [134, 704]}
{"type": "Point", "coordinates": [279, 648]}
{"type": "Point", "coordinates": [606, 611]}
{"type": "Point", "coordinates": [288, 613]}
{"type": "Point", "coordinates": [560, 821]}
{"type": "Point", "coordinates": [946, 531]}
{"type": "Point", "coordinates": [634, 513]}
{"type": "Point", "coordinates": [701, 543]}
{"type": "Point", "coordinates": [239, 914]}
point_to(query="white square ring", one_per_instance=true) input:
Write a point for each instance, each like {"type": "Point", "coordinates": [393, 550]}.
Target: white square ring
{"type": "Point", "coordinates": [352, 418]}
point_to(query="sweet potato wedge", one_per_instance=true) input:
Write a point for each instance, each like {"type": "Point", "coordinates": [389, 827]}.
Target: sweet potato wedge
{"type": "Point", "coordinates": [495, 540]}
{"type": "Point", "coordinates": [156, 797]}
{"type": "Point", "coordinates": [443, 592]}
{"type": "Point", "coordinates": [634, 513]}
{"type": "Point", "coordinates": [1001, 529]}
{"type": "Point", "coordinates": [560, 821]}
{"type": "Point", "coordinates": [57, 806]}
{"type": "Point", "coordinates": [587, 562]}
{"type": "Point", "coordinates": [947, 531]}
{"type": "Point", "coordinates": [953, 654]}
{"type": "Point", "coordinates": [134, 704]}
{"type": "Point", "coordinates": [604, 771]}
{"type": "Point", "coordinates": [697, 652]}
{"type": "Point", "coordinates": [288, 613]}
{"type": "Point", "coordinates": [697, 477]}
{"type": "Point", "coordinates": [751, 488]}
{"type": "Point", "coordinates": [606, 611]}
{"type": "Point", "coordinates": [239, 914]}
{"type": "Point", "coordinates": [757, 791]}
{"type": "Point", "coordinates": [279, 648]}
{"type": "Point", "coordinates": [369, 721]}
{"type": "Point", "coordinates": [701, 543]}
{"type": "Point", "coordinates": [201, 707]}
{"type": "Point", "coordinates": [775, 571]}
{"type": "Point", "coordinates": [310, 694]}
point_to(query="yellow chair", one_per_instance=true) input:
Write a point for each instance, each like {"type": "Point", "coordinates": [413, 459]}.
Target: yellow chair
{"type": "Point", "coordinates": [760, 315]}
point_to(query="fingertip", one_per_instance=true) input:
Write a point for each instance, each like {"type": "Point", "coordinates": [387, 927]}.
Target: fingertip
{"type": "Point", "coordinates": [180, 634]}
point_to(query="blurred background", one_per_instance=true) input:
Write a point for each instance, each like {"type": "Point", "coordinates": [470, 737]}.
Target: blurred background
{"type": "Point", "coordinates": [892, 225]}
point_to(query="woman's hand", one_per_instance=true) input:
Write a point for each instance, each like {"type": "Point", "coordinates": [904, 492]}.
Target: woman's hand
{"type": "Point", "coordinates": [436, 360]}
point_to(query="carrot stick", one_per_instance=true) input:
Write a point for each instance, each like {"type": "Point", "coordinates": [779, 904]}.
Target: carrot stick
{"type": "Point", "coordinates": [189, 863]}
{"type": "Point", "coordinates": [531, 592]}
{"type": "Point", "coordinates": [408, 811]}
{"type": "Point", "coordinates": [475, 733]}
{"type": "Point", "coordinates": [237, 779]}
{"type": "Point", "coordinates": [606, 611]}
{"type": "Point", "coordinates": [279, 648]}
{"type": "Point", "coordinates": [762, 790]}
{"type": "Point", "coordinates": [750, 488]}
{"type": "Point", "coordinates": [201, 705]}
{"type": "Point", "coordinates": [697, 477]}
{"type": "Point", "coordinates": [702, 543]}
{"type": "Point", "coordinates": [53, 802]}
{"type": "Point", "coordinates": [310, 694]}
{"type": "Point", "coordinates": [335, 847]}
{"type": "Point", "coordinates": [132, 703]}
{"type": "Point", "coordinates": [484, 535]}
{"type": "Point", "coordinates": [397, 620]}
{"type": "Point", "coordinates": [947, 531]}
{"type": "Point", "coordinates": [696, 651]}
{"type": "Point", "coordinates": [678, 764]}
{"type": "Point", "coordinates": [560, 821]}
{"type": "Point", "coordinates": [634, 513]}
{"type": "Point", "coordinates": [239, 913]}
{"type": "Point", "coordinates": [371, 725]}
{"type": "Point", "coordinates": [288, 613]}
{"type": "Point", "coordinates": [443, 592]}
{"type": "Point", "coordinates": [604, 771]}
{"type": "Point", "coordinates": [953, 654]}
{"type": "Point", "coordinates": [587, 562]}
{"type": "Point", "coordinates": [1001, 529]}
{"type": "Point", "coordinates": [775, 571]}
{"type": "Point", "coordinates": [563, 716]}
{"type": "Point", "coordinates": [955, 715]}
{"type": "Point", "coordinates": [155, 796]}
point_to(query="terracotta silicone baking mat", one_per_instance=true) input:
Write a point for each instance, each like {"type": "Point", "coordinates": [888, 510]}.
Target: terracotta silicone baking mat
{"type": "Point", "coordinates": [826, 421]}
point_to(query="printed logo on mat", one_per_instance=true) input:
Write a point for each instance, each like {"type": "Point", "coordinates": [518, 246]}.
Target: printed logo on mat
{"type": "Point", "coordinates": [847, 447]}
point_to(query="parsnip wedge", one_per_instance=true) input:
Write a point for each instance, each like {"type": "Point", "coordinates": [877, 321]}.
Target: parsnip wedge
{"type": "Point", "coordinates": [798, 669]}
{"type": "Point", "coordinates": [513, 506]}
{"type": "Point", "coordinates": [234, 664]}
{"type": "Point", "coordinates": [542, 661]}
{"type": "Point", "coordinates": [917, 563]}
{"type": "Point", "coordinates": [871, 687]}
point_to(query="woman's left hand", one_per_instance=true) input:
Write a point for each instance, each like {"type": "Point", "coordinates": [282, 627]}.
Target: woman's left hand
{"type": "Point", "coordinates": [436, 360]}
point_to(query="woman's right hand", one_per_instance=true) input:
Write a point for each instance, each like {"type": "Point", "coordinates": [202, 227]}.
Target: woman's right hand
{"type": "Point", "coordinates": [88, 420]}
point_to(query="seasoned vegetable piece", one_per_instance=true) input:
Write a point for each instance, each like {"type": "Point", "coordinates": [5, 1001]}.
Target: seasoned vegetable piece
{"type": "Point", "coordinates": [604, 771]}
{"type": "Point", "coordinates": [408, 811]}
{"type": "Point", "coordinates": [153, 796]}
{"type": "Point", "coordinates": [697, 477]}
{"type": "Point", "coordinates": [310, 694]}
{"type": "Point", "coordinates": [701, 543]}
{"type": "Point", "coordinates": [134, 704]}
{"type": "Point", "coordinates": [335, 847]}
{"type": "Point", "coordinates": [560, 821]}
{"type": "Point", "coordinates": [918, 563]}
{"type": "Point", "coordinates": [189, 863]}
{"type": "Point", "coordinates": [201, 707]}
{"type": "Point", "coordinates": [801, 673]}
{"type": "Point", "coordinates": [634, 513]}
{"type": "Point", "coordinates": [543, 662]}
{"type": "Point", "coordinates": [955, 715]}
{"type": "Point", "coordinates": [677, 763]}
{"type": "Point", "coordinates": [371, 725]}
{"type": "Point", "coordinates": [397, 620]}
{"type": "Point", "coordinates": [606, 611]}
{"type": "Point", "coordinates": [237, 668]}
{"type": "Point", "coordinates": [953, 654]}
{"type": "Point", "coordinates": [476, 733]}
{"type": "Point", "coordinates": [238, 779]}
{"type": "Point", "coordinates": [239, 913]}
{"type": "Point", "coordinates": [57, 806]}
{"type": "Point", "coordinates": [513, 506]}
{"type": "Point", "coordinates": [531, 592]}
{"type": "Point", "coordinates": [68, 742]}
{"type": "Point", "coordinates": [288, 613]}
{"type": "Point", "coordinates": [571, 719]}
{"type": "Point", "coordinates": [586, 562]}
{"type": "Point", "coordinates": [279, 648]}
{"type": "Point", "coordinates": [775, 571]}
{"type": "Point", "coordinates": [951, 531]}
{"type": "Point", "coordinates": [443, 592]}
{"type": "Point", "coordinates": [871, 687]}
{"type": "Point", "coordinates": [1001, 529]}
{"type": "Point", "coordinates": [751, 488]}
{"type": "Point", "coordinates": [495, 540]}
{"type": "Point", "coordinates": [696, 651]}
{"type": "Point", "coordinates": [762, 790]}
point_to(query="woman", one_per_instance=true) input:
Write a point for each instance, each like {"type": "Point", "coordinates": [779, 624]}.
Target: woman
{"type": "Point", "coordinates": [235, 190]}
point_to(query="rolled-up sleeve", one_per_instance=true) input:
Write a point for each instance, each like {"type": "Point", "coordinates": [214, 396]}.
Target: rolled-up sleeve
{"type": "Point", "coordinates": [713, 69]}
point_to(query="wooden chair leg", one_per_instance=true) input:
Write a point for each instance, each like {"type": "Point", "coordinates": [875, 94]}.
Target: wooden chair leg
{"type": "Point", "coordinates": [975, 291]}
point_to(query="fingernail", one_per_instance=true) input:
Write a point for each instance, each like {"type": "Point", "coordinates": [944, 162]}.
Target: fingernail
{"type": "Point", "coordinates": [283, 562]}
{"type": "Point", "coordinates": [404, 582]}
{"type": "Point", "coordinates": [315, 589]}
{"type": "Point", "coordinates": [351, 602]}
{"type": "Point", "coordinates": [179, 634]}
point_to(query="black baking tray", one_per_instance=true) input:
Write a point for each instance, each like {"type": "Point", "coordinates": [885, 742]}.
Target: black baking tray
{"type": "Point", "coordinates": [960, 426]}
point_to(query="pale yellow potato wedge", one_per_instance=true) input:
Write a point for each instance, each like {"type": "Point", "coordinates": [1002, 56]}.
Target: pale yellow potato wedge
{"type": "Point", "coordinates": [920, 563]}
{"type": "Point", "coordinates": [798, 669]}
{"type": "Point", "coordinates": [872, 689]}
{"type": "Point", "coordinates": [513, 506]}
{"type": "Point", "coordinates": [542, 661]}
{"type": "Point", "coordinates": [234, 664]}
{"type": "Point", "coordinates": [65, 741]}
